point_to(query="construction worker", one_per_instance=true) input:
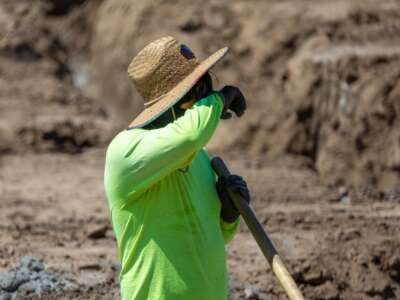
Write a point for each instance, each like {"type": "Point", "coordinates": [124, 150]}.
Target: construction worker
{"type": "Point", "coordinates": [170, 216]}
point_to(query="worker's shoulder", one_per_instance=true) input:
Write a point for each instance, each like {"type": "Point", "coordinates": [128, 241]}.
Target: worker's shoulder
{"type": "Point", "coordinates": [120, 143]}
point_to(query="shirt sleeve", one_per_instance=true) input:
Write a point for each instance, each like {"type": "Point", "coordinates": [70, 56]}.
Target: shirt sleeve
{"type": "Point", "coordinates": [229, 230]}
{"type": "Point", "coordinates": [158, 152]}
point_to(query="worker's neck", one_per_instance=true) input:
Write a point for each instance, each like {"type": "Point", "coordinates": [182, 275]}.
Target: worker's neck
{"type": "Point", "coordinates": [168, 117]}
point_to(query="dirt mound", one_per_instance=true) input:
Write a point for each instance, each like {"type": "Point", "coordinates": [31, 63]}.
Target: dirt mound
{"type": "Point", "coordinates": [344, 86]}
{"type": "Point", "coordinates": [321, 78]}
{"type": "Point", "coordinates": [41, 105]}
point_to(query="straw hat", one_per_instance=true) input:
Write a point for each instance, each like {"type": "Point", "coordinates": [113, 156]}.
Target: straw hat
{"type": "Point", "coordinates": [163, 72]}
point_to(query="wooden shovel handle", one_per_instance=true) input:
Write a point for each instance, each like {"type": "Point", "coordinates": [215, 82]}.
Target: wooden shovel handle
{"type": "Point", "coordinates": [260, 236]}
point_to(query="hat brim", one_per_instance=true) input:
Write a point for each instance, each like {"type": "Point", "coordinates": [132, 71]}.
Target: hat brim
{"type": "Point", "coordinates": [172, 97]}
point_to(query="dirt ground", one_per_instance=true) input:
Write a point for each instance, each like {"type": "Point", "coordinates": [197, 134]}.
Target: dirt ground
{"type": "Point", "coordinates": [319, 146]}
{"type": "Point", "coordinates": [338, 244]}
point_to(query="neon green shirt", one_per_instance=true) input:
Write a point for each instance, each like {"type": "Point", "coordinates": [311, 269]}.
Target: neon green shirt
{"type": "Point", "coordinates": [165, 209]}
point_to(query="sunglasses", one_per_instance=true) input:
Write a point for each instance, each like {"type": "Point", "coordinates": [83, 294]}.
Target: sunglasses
{"type": "Point", "coordinates": [186, 52]}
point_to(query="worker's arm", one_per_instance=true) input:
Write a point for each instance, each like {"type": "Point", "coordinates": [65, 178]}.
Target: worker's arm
{"type": "Point", "coordinates": [153, 154]}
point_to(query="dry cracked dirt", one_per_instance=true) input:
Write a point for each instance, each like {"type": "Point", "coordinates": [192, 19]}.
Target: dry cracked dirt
{"type": "Point", "coordinates": [319, 147]}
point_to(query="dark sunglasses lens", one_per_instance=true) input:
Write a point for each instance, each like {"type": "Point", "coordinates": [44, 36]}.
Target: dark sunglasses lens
{"type": "Point", "coordinates": [186, 52]}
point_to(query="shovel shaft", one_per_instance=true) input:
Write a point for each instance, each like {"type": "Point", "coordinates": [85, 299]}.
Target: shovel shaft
{"type": "Point", "coordinates": [260, 236]}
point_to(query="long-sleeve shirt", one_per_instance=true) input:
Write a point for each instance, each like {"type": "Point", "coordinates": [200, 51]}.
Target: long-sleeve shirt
{"type": "Point", "coordinates": [165, 209]}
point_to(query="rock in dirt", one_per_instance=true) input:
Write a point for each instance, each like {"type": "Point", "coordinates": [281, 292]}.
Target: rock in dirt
{"type": "Point", "coordinates": [30, 277]}
{"type": "Point", "coordinates": [5, 296]}
{"type": "Point", "coordinates": [251, 293]}
{"type": "Point", "coordinates": [242, 290]}
{"type": "Point", "coordinates": [98, 232]}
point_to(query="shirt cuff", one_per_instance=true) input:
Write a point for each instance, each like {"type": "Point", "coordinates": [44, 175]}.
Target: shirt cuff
{"type": "Point", "coordinates": [229, 226]}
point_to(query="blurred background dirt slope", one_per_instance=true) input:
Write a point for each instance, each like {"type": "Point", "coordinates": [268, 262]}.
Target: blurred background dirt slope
{"type": "Point", "coordinates": [308, 69]}
{"type": "Point", "coordinates": [322, 79]}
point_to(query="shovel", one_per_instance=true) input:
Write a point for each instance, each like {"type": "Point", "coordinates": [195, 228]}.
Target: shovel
{"type": "Point", "coordinates": [260, 236]}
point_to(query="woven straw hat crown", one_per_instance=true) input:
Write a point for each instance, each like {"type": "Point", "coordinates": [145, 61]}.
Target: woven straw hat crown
{"type": "Point", "coordinates": [159, 67]}
{"type": "Point", "coordinates": [163, 72]}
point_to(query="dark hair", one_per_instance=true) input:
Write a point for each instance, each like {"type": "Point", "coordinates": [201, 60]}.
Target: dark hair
{"type": "Point", "coordinates": [201, 89]}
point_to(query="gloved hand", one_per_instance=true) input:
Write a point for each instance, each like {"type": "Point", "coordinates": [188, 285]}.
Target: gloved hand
{"type": "Point", "coordinates": [235, 184]}
{"type": "Point", "coordinates": [233, 100]}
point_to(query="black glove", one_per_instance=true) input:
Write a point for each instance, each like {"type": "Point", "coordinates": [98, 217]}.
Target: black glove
{"type": "Point", "coordinates": [233, 100]}
{"type": "Point", "coordinates": [235, 184]}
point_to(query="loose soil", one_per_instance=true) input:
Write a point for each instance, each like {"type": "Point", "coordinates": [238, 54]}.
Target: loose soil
{"type": "Point", "coordinates": [338, 244]}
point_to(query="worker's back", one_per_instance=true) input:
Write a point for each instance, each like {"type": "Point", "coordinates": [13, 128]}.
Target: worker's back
{"type": "Point", "coordinates": [171, 242]}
